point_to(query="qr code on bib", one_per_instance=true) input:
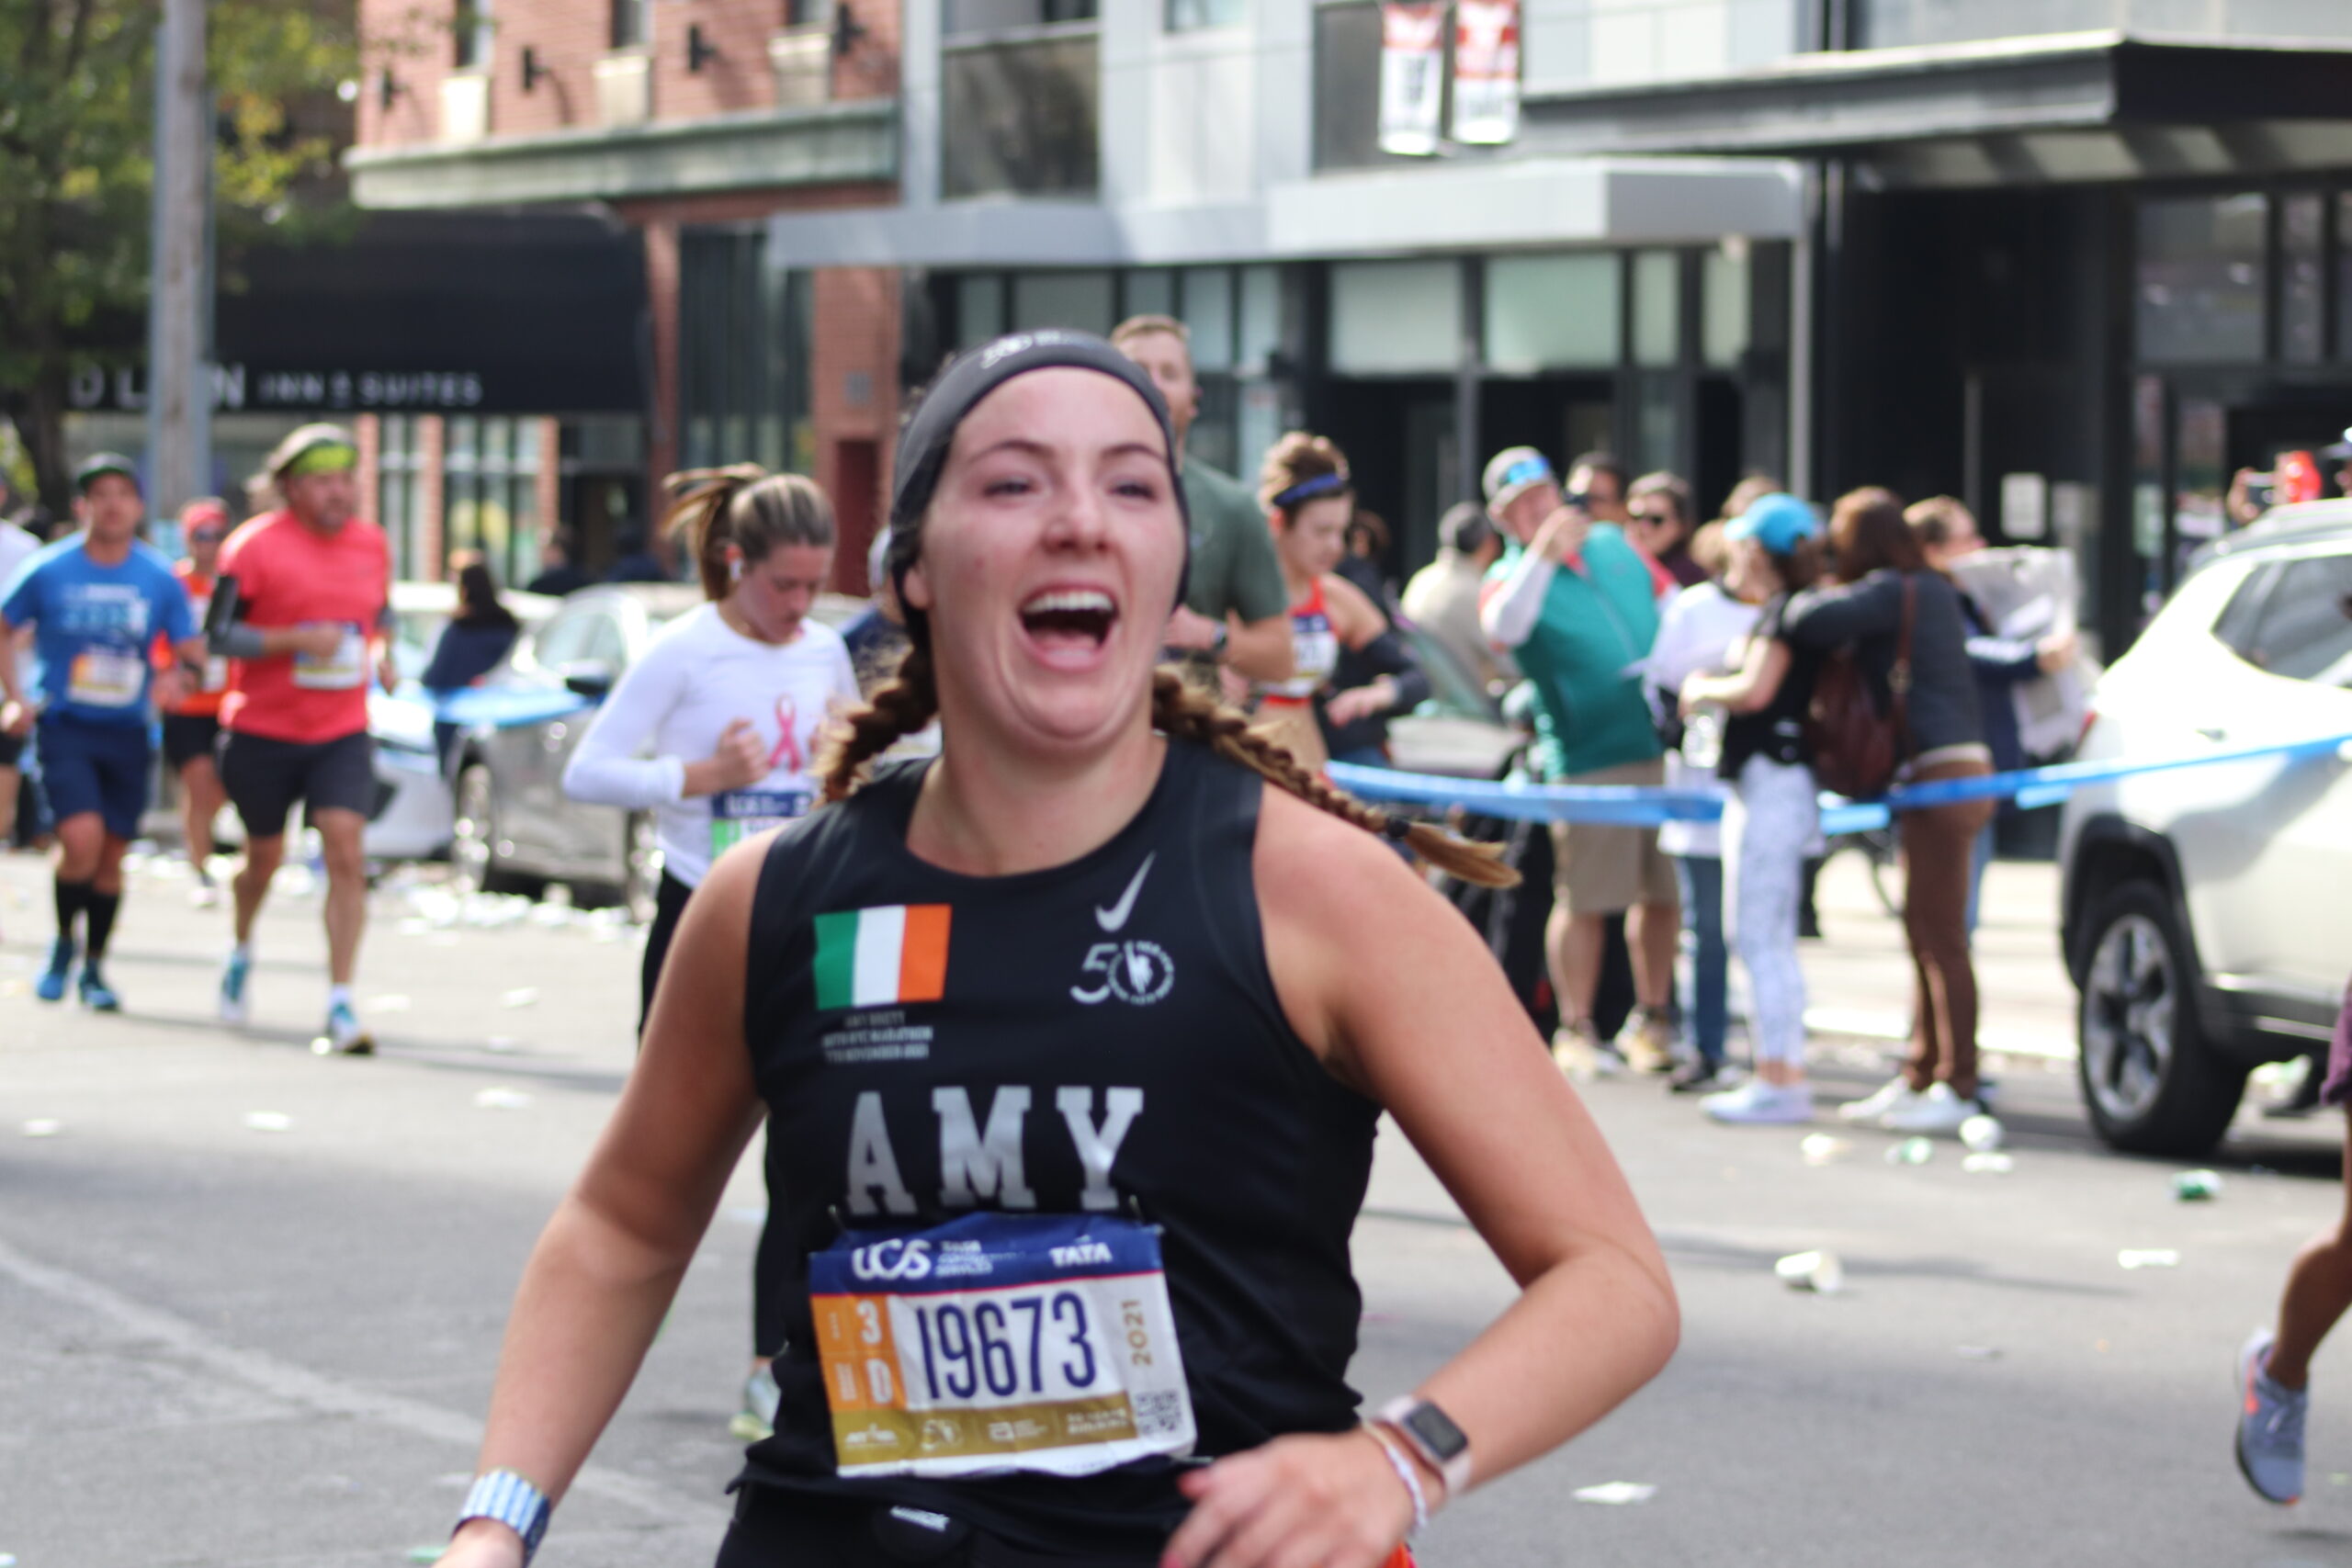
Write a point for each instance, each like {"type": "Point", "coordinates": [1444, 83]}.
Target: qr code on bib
{"type": "Point", "coordinates": [1159, 1413]}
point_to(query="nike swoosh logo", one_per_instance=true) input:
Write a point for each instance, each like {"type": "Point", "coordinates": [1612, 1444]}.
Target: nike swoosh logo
{"type": "Point", "coordinates": [1111, 919]}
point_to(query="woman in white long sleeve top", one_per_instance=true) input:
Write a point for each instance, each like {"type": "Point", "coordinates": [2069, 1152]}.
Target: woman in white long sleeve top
{"type": "Point", "coordinates": [714, 729]}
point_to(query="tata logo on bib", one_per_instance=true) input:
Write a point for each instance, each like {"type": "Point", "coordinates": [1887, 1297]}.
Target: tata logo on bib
{"type": "Point", "coordinates": [1080, 1254]}
{"type": "Point", "coordinates": [1136, 972]}
{"type": "Point", "coordinates": [892, 1260]}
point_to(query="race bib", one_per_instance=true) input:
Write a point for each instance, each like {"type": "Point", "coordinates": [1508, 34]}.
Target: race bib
{"type": "Point", "coordinates": [737, 814]}
{"type": "Point", "coordinates": [106, 678]}
{"type": "Point", "coordinates": [996, 1343]}
{"type": "Point", "coordinates": [341, 671]}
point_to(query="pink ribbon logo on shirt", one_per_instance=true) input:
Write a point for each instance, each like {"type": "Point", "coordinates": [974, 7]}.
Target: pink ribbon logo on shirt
{"type": "Point", "coordinates": [787, 744]}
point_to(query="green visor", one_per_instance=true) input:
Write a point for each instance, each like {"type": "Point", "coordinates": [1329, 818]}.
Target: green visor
{"type": "Point", "coordinates": [98, 465]}
{"type": "Point", "coordinates": [326, 457]}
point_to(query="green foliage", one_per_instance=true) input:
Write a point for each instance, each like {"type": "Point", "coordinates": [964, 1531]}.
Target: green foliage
{"type": "Point", "coordinates": [76, 167]}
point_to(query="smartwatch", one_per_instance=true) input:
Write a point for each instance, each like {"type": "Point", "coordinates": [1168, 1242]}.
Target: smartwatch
{"type": "Point", "coordinates": [1432, 1435]}
{"type": "Point", "coordinates": [503, 1496]}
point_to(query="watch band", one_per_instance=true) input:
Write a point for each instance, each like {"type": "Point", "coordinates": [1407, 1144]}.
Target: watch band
{"type": "Point", "coordinates": [1453, 1468]}
{"type": "Point", "coordinates": [503, 1496]}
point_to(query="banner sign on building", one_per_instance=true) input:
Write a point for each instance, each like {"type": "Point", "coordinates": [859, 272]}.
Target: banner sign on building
{"type": "Point", "coordinates": [1412, 75]}
{"type": "Point", "coordinates": [1485, 70]}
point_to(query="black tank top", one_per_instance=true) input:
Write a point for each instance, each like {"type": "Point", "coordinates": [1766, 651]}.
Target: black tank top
{"type": "Point", "coordinates": [1126, 996]}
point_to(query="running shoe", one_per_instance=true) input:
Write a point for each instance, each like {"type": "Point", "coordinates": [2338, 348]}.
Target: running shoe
{"type": "Point", "coordinates": [755, 1423]}
{"type": "Point", "coordinates": [1578, 1051]}
{"type": "Point", "coordinates": [1936, 1111]}
{"type": "Point", "coordinates": [342, 1036]}
{"type": "Point", "coordinates": [204, 894]}
{"type": "Point", "coordinates": [1648, 1039]}
{"type": "Point", "coordinates": [2270, 1426]}
{"type": "Point", "coordinates": [1892, 1095]}
{"type": "Point", "coordinates": [96, 995]}
{"type": "Point", "coordinates": [50, 987]}
{"type": "Point", "coordinates": [1759, 1104]}
{"type": "Point", "coordinates": [1696, 1078]}
{"type": "Point", "coordinates": [232, 988]}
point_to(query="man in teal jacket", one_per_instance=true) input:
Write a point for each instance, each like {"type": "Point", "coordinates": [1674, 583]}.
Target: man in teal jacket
{"type": "Point", "coordinates": [1577, 605]}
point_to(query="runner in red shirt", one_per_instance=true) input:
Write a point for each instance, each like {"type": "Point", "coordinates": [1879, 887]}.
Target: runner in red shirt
{"type": "Point", "coordinates": [312, 584]}
{"type": "Point", "coordinates": [192, 725]}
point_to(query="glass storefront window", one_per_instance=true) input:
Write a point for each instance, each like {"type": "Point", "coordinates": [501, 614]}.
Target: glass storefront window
{"type": "Point", "coordinates": [979, 308]}
{"type": "Point", "coordinates": [1723, 325]}
{"type": "Point", "coordinates": [1555, 312]}
{"type": "Point", "coordinates": [2303, 222]}
{"type": "Point", "coordinates": [1208, 315]}
{"type": "Point", "coordinates": [1261, 317]}
{"type": "Point", "coordinates": [1151, 293]}
{"type": "Point", "coordinates": [1657, 308]}
{"type": "Point", "coordinates": [2200, 279]}
{"type": "Point", "coordinates": [1395, 317]}
{"type": "Point", "coordinates": [1078, 300]}
{"type": "Point", "coordinates": [1184, 15]}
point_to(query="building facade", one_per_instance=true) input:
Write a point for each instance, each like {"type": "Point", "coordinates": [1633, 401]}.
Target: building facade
{"type": "Point", "coordinates": [689, 125]}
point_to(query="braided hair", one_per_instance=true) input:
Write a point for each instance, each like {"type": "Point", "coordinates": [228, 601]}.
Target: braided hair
{"type": "Point", "coordinates": [1182, 713]}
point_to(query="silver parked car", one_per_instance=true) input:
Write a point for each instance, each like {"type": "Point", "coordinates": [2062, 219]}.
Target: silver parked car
{"type": "Point", "coordinates": [2207, 911]}
{"type": "Point", "coordinates": [515, 829]}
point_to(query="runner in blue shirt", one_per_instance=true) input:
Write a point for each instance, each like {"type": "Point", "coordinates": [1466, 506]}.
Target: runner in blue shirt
{"type": "Point", "coordinates": [96, 602]}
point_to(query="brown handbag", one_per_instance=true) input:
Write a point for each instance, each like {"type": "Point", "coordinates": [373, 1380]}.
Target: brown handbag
{"type": "Point", "coordinates": [1856, 746]}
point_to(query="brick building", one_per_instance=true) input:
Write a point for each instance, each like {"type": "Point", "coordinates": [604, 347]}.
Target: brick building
{"type": "Point", "coordinates": [693, 123]}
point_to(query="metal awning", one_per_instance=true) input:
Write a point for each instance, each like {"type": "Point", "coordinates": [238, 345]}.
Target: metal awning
{"type": "Point", "coordinates": [2101, 105]}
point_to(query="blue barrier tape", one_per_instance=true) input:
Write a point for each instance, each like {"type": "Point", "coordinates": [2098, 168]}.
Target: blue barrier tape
{"type": "Point", "coordinates": [1643, 807]}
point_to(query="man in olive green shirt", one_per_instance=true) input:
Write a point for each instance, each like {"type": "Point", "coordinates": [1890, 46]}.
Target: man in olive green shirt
{"type": "Point", "coordinates": [1235, 604]}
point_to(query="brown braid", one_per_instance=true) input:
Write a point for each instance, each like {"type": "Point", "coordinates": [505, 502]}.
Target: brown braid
{"type": "Point", "coordinates": [908, 704]}
{"type": "Point", "coordinates": [1178, 710]}
{"type": "Point", "coordinates": [894, 712]}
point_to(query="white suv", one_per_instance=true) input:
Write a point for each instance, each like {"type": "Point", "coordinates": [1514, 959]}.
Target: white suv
{"type": "Point", "coordinates": [2207, 911]}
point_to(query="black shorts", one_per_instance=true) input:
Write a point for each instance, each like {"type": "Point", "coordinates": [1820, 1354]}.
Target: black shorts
{"type": "Point", "coordinates": [774, 1528]}
{"type": "Point", "coordinates": [12, 747]}
{"type": "Point", "coordinates": [187, 735]}
{"type": "Point", "coordinates": [265, 777]}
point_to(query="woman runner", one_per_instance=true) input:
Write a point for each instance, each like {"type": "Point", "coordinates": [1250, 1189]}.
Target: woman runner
{"type": "Point", "coordinates": [1074, 1073]}
{"type": "Point", "coordinates": [1309, 501]}
{"type": "Point", "coordinates": [192, 725]}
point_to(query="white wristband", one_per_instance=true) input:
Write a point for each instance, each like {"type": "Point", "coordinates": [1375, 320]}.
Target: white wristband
{"type": "Point", "coordinates": [1404, 1469]}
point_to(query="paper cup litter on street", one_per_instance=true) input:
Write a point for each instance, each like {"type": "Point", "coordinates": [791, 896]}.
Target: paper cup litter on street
{"type": "Point", "coordinates": [2148, 1257]}
{"type": "Point", "coordinates": [1983, 1133]}
{"type": "Point", "coordinates": [1820, 1148]}
{"type": "Point", "coordinates": [2197, 1186]}
{"type": "Point", "coordinates": [1615, 1493]}
{"type": "Point", "coordinates": [43, 1127]}
{"type": "Point", "coordinates": [1992, 1162]}
{"type": "Point", "coordinates": [502, 1099]}
{"type": "Point", "coordinates": [520, 997]}
{"type": "Point", "coordinates": [268, 1121]}
{"type": "Point", "coordinates": [1819, 1272]}
{"type": "Point", "coordinates": [1911, 1151]}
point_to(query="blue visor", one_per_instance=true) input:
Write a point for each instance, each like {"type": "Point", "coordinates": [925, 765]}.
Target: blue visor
{"type": "Point", "coordinates": [1308, 490]}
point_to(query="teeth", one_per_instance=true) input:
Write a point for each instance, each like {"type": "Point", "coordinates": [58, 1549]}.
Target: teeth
{"type": "Point", "coordinates": [1069, 600]}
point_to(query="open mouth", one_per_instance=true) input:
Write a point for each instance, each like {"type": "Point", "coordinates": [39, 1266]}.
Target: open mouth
{"type": "Point", "coordinates": [1066, 617]}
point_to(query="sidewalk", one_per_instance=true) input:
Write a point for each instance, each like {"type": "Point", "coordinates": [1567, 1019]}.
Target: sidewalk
{"type": "Point", "coordinates": [1859, 976]}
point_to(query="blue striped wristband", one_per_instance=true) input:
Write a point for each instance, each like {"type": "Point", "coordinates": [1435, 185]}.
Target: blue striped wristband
{"type": "Point", "coordinates": [503, 1496]}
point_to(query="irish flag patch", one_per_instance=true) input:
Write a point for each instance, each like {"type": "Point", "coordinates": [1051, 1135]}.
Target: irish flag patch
{"type": "Point", "coordinates": [871, 958]}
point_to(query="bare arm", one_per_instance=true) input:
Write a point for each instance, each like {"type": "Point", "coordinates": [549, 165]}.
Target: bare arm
{"type": "Point", "coordinates": [1398, 996]}
{"type": "Point", "coordinates": [1748, 689]}
{"type": "Point", "coordinates": [1260, 649]}
{"type": "Point", "coordinates": [609, 1262]}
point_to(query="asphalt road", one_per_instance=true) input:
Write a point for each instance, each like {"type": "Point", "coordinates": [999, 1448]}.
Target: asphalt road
{"type": "Point", "coordinates": [230, 1344]}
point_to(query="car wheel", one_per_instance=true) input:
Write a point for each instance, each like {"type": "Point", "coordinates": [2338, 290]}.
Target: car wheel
{"type": "Point", "coordinates": [641, 851]}
{"type": "Point", "coordinates": [474, 860]}
{"type": "Point", "coordinates": [2151, 1082]}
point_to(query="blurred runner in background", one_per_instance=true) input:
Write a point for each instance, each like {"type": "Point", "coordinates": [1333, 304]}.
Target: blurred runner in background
{"type": "Point", "coordinates": [192, 725]}
{"type": "Point", "coordinates": [305, 625]}
{"type": "Point", "coordinates": [96, 602]}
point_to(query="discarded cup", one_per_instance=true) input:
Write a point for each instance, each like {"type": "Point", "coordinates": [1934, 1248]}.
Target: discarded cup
{"type": "Point", "coordinates": [1820, 1148]}
{"type": "Point", "coordinates": [268, 1121]}
{"type": "Point", "coordinates": [1992, 1162]}
{"type": "Point", "coordinates": [520, 997]}
{"type": "Point", "coordinates": [2197, 1186]}
{"type": "Point", "coordinates": [43, 1127]}
{"type": "Point", "coordinates": [502, 1099]}
{"type": "Point", "coordinates": [1819, 1272]}
{"type": "Point", "coordinates": [1983, 1133]}
{"type": "Point", "coordinates": [1615, 1493]}
{"type": "Point", "coordinates": [2148, 1257]}
{"type": "Point", "coordinates": [1977, 1352]}
{"type": "Point", "coordinates": [386, 1004]}
{"type": "Point", "coordinates": [1911, 1151]}
{"type": "Point", "coordinates": [427, 1553]}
